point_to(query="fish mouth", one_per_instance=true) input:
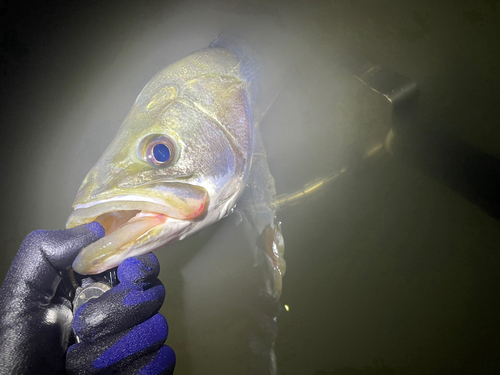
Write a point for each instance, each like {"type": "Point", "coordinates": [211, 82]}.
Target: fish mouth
{"type": "Point", "coordinates": [127, 221]}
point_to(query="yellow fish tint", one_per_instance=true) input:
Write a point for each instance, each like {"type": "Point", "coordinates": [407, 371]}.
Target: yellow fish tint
{"type": "Point", "coordinates": [91, 259]}
{"type": "Point", "coordinates": [178, 163]}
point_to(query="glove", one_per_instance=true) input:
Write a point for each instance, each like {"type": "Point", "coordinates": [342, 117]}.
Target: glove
{"type": "Point", "coordinates": [122, 331]}
{"type": "Point", "coordinates": [35, 323]}
{"type": "Point", "coordinates": [35, 320]}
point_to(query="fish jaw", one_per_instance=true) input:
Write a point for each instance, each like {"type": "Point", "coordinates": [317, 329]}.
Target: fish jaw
{"type": "Point", "coordinates": [110, 251]}
{"type": "Point", "coordinates": [134, 225]}
{"type": "Point", "coordinates": [173, 199]}
{"type": "Point", "coordinates": [201, 104]}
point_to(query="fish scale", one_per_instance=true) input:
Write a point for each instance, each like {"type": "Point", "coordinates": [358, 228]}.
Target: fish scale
{"type": "Point", "coordinates": [204, 105]}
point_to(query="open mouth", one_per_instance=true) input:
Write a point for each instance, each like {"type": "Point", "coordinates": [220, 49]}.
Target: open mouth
{"type": "Point", "coordinates": [125, 220]}
{"type": "Point", "coordinates": [122, 228]}
{"type": "Point", "coordinates": [126, 224]}
{"type": "Point", "coordinates": [131, 222]}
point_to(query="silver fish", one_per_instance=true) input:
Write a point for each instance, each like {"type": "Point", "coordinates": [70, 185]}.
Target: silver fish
{"type": "Point", "coordinates": [179, 162]}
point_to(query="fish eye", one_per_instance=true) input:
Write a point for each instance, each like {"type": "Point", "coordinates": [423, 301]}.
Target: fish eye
{"type": "Point", "coordinates": [161, 153]}
{"type": "Point", "coordinates": [157, 150]}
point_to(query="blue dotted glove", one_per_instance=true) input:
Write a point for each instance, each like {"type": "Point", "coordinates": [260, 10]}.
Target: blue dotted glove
{"type": "Point", "coordinates": [35, 321]}
{"type": "Point", "coordinates": [122, 331]}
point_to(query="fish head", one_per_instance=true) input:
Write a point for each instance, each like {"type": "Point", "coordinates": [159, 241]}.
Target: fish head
{"type": "Point", "coordinates": [178, 163]}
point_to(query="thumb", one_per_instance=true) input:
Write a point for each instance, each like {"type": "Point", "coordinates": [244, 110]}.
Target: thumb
{"type": "Point", "coordinates": [62, 246]}
{"type": "Point", "coordinates": [43, 254]}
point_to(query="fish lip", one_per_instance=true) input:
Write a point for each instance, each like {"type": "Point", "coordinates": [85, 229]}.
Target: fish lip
{"type": "Point", "coordinates": [122, 198]}
{"type": "Point", "coordinates": [161, 181]}
{"type": "Point", "coordinates": [92, 260]}
{"type": "Point", "coordinates": [176, 200]}
{"type": "Point", "coordinates": [87, 212]}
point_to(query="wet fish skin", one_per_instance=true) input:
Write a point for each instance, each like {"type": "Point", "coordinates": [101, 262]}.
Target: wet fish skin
{"type": "Point", "coordinates": [202, 104]}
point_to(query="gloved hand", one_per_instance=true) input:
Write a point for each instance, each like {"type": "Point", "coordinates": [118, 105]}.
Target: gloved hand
{"type": "Point", "coordinates": [122, 331]}
{"type": "Point", "coordinates": [35, 321]}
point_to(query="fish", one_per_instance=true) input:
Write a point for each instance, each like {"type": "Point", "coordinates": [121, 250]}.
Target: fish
{"type": "Point", "coordinates": [183, 156]}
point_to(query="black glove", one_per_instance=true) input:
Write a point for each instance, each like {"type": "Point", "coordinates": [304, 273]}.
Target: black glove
{"type": "Point", "coordinates": [35, 323]}
{"type": "Point", "coordinates": [122, 331]}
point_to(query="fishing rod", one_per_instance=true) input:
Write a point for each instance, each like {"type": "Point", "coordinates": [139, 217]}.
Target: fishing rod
{"type": "Point", "coordinates": [469, 171]}
{"type": "Point", "coordinates": [465, 169]}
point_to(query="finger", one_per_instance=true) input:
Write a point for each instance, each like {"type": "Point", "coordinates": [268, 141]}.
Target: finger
{"type": "Point", "coordinates": [137, 298]}
{"type": "Point", "coordinates": [138, 271]}
{"type": "Point", "coordinates": [160, 362]}
{"type": "Point", "coordinates": [163, 362]}
{"type": "Point", "coordinates": [43, 254]}
{"type": "Point", "coordinates": [117, 351]}
{"type": "Point", "coordinates": [117, 310]}
{"type": "Point", "coordinates": [65, 244]}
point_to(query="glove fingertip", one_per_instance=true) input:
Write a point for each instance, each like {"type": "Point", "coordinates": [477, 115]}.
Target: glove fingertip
{"type": "Point", "coordinates": [62, 246]}
{"type": "Point", "coordinates": [96, 228]}
{"type": "Point", "coordinates": [162, 363]}
{"type": "Point", "coordinates": [138, 270]}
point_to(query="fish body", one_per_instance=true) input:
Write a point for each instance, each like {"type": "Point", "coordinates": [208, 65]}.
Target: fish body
{"type": "Point", "coordinates": [179, 162]}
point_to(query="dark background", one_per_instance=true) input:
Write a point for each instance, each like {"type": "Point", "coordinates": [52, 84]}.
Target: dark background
{"type": "Point", "coordinates": [389, 271]}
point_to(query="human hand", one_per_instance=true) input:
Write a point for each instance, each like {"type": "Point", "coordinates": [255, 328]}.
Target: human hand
{"type": "Point", "coordinates": [122, 331]}
{"type": "Point", "coordinates": [35, 321]}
